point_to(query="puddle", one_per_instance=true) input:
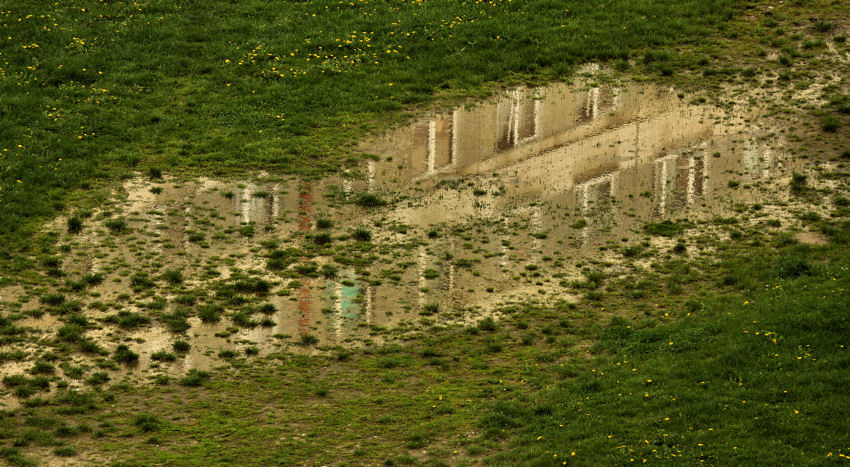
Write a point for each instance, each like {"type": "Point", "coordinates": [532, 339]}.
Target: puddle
{"type": "Point", "coordinates": [505, 200]}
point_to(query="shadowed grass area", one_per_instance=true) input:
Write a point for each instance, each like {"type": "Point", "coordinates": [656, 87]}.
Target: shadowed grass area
{"type": "Point", "coordinates": [92, 90]}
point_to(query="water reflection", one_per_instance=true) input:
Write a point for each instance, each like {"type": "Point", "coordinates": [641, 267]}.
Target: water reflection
{"type": "Point", "coordinates": [505, 186]}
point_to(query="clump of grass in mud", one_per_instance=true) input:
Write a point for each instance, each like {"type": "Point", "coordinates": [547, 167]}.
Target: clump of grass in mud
{"type": "Point", "coordinates": [329, 271]}
{"type": "Point", "coordinates": [308, 340]}
{"type": "Point", "coordinates": [830, 124]}
{"type": "Point", "coordinates": [579, 224]}
{"type": "Point", "coordinates": [361, 234]}
{"type": "Point", "coordinates": [176, 321]}
{"type": "Point", "coordinates": [799, 183]}
{"type": "Point", "coordinates": [163, 356]}
{"type": "Point", "coordinates": [243, 319]}
{"type": "Point", "coordinates": [664, 228]}
{"type": "Point", "coordinates": [195, 378]}
{"type": "Point", "coordinates": [127, 319]}
{"type": "Point", "coordinates": [123, 354]}
{"type": "Point", "coordinates": [430, 309]}
{"type": "Point", "coordinates": [210, 313]}
{"type": "Point", "coordinates": [173, 276]}
{"type": "Point", "coordinates": [369, 200]}
{"type": "Point", "coordinates": [181, 346]}
{"type": "Point", "coordinates": [147, 422]}
{"type": "Point", "coordinates": [116, 226]}
{"type": "Point", "coordinates": [75, 224]}
{"type": "Point", "coordinates": [322, 238]}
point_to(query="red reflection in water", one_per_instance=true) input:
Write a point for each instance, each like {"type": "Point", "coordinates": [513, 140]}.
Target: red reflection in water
{"type": "Point", "coordinates": [305, 296]}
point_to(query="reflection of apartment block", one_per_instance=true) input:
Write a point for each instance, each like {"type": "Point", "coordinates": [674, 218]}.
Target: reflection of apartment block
{"type": "Point", "coordinates": [524, 124]}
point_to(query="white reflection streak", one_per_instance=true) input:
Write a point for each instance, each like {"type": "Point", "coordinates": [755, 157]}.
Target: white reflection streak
{"type": "Point", "coordinates": [455, 128]}
{"type": "Point", "coordinates": [692, 179]}
{"type": "Point", "coordinates": [370, 167]}
{"type": "Point", "coordinates": [432, 145]}
{"type": "Point", "coordinates": [422, 282]}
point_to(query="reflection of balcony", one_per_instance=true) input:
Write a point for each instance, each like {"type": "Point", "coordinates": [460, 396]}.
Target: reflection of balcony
{"type": "Point", "coordinates": [596, 193]}
{"type": "Point", "coordinates": [679, 180]}
{"type": "Point", "coordinates": [258, 209]}
{"type": "Point", "coordinates": [439, 144]}
{"type": "Point", "coordinates": [757, 162]}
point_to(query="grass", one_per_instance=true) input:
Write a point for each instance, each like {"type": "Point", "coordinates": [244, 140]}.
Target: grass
{"type": "Point", "coordinates": [728, 374]}
{"type": "Point", "coordinates": [96, 90]}
{"type": "Point", "coordinates": [665, 228]}
{"type": "Point", "coordinates": [684, 357]}
{"type": "Point", "coordinates": [752, 377]}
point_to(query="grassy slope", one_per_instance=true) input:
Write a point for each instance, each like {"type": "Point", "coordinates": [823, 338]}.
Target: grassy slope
{"type": "Point", "coordinates": [93, 89]}
{"type": "Point", "coordinates": [503, 388]}
{"type": "Point", "coordinates": [756, 376]}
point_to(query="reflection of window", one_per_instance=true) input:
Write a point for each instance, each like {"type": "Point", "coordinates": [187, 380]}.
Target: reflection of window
{"type": "Point", "coordinates": [436, 137]}
{"type": "Point", "coordinates": [757, 162]}
{"type": "Point", "coordinates": [421, 154]}
{"type": "Point", "coordinates": [679, 181]}
{"type": "Point", "coordinates": [518, 121]}
{"type": "Point", "coordinates": [591, 106]}
{"type": "Point", "coordinates": [442, 130]}
{"type": "Point", "coordinates": [696, 178]}
{"type": "Point", "coordinates": [599, 102]}
{"type": "Point", "coordinates": [596, 192]}
{"type": "Point", "coordinates": [594, 196]}
{"type": "Point", "coordinates": [505, 133]}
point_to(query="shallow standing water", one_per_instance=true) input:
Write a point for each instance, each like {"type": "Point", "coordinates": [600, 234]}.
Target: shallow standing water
{"type": "Point", "coordinates": [504, 200]}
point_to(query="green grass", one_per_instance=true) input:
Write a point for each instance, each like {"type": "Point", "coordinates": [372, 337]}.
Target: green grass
{"type": "Point", "coordinates": [95, 90]}
{"type": "Point", "coordinates": [742, 371]}
{"type": "Point", "coordinates": [689, 358]}
{"type": "Point", "coordinates": [751, 377]}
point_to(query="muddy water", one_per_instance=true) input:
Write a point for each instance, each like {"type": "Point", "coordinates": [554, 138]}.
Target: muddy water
{"type": "Point", "coordinates": [501, 201]}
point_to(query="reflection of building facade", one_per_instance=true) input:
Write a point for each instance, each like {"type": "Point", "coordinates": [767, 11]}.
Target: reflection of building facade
{"type": "Point", "coordinates": [572, 131]}
{"type": "Point", "coordinates": [495, 134]}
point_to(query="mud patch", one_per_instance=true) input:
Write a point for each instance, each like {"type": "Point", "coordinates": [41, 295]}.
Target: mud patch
{"type": "Point", "coordinates": [811, 238]}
